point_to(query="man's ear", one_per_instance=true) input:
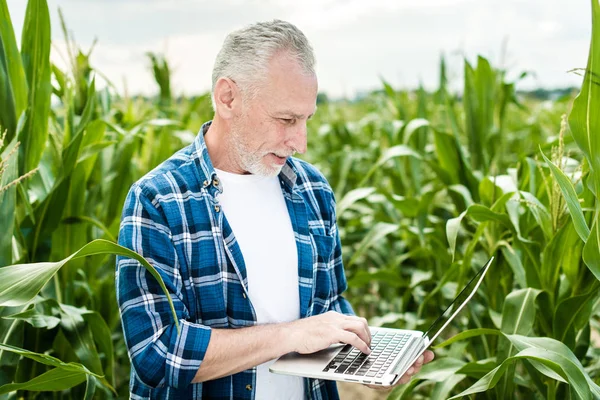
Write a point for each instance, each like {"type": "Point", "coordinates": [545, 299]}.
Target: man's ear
{"type": "Point", "coordinates": [227, 98]}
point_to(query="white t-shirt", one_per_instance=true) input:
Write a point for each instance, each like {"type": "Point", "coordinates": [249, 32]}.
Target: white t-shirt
{"type": "Point", "coordinates": [257, 213]}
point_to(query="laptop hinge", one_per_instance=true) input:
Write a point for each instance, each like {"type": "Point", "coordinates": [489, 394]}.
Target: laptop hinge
{"type": "Point", "coordinates": [401, 363]}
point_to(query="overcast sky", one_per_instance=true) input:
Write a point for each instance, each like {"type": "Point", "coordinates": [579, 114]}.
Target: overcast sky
{"type": "Point", "coordinates": [356, 41]}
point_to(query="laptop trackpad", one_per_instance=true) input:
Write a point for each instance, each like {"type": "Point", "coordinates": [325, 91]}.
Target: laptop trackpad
{"type": "Point", "coordinates": [296, 360]}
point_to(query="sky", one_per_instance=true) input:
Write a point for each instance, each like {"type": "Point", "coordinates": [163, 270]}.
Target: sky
{"type": "Point", "coordinates": [356, 42]}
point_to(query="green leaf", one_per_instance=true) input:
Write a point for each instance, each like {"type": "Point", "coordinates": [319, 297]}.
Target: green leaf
{"type": "Point", "coordinates": [21, 282]}
{"type": "Point", "coordinates": [393, 152]}
{"type": "Point", "coordinates": [556, 362]}
{"type": "Point", "coordinates": [452, 228]}
{"type": "Point", "coordinates": [36, 319]}
{"type": "Point", "coordinates": [481, 213]}
{"type": "Point", "coordinates": [591, 250]}
{"type": "Point", "coordinates": [47, 360]}
{"type": "Point", "coordinates": [412, 126]}
{"type": "Point", "coordinates": [584, 119]}
{"type": "Point", "coordinates": [468, 334]}
{"type": "Point", "coordinates": [103, 339]}
{"type": "Point", "coordinates": [478, 213]}
{"type": "Point", "coordinates": [8, 200]}
{"type": "Point", "coordinates": [551, 346]}
{"type": "Point", "coordinates": [477, 369]}
{"type": "Point", "coordinates": [71, 152]}
{"type": "Point", "coordinates": [568, 191]}
{"type": "Point", "coordinates": [35, 54]}
{"type": "Point", "coordinates": [54, 380]}
{"type": "Point", "coordinates": [518, 316]}
{"type": "Point", "coordinates": [518, 313]}
{"type": "Point", "coordinates": [389, 277]}
{"type": "Point", "coordinates": [378, 232]}
{"type": "Point", "coordinates": [441, 369]}
{"type": "Point", "coordinates": [448, 156]}
{"type": "Point", "coordinates": [478, 101]}
{"type": "Point", "coordinates": [463, 191]}
{"type": "Point", "coordinates": [80, 337]}
{"type": "Point", "coordinates": [352, 197]}
{"type": "Point", "coordinates": [573, 313]}
{"type": "Point", "coordinates": [13, 86]}
{"type": "Point", "coordinates": [55, 362]}
{"type": "Point", "coordinates": [551, 357]}
{"type": "Point", "coordinates": [540, 213]}
{"type": "Point", "coordinates": [90, 387]}
{"type": "Point", "coordinates": [514, 261]}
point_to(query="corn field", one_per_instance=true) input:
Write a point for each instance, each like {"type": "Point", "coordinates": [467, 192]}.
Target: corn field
{"type": "Point", "coordinates": [429, 185]}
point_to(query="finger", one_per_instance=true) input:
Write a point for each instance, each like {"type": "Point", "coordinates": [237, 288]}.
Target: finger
{"type": "Point", "coordinates": [366, 323]}
{"type": "Point", "coordinates": [405, 379]}
{"type": "Point", "coordinates": [416, 371]}
{"type": "Point", "coordinates": [354, 340]}
{"type": "Point", "coordinates": [358, 328]}
{"type": "Point", "coordinates": [428, 356]}
{"type": "Point", "coordinates": [419, 361]}
{"type": "Point", "coordinates": [378, 387]}
{"type": "Point", "coordinates": [365, 326]}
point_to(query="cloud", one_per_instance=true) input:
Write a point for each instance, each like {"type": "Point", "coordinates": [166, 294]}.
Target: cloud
{"type": "Point", "coordinates": [355, 41]}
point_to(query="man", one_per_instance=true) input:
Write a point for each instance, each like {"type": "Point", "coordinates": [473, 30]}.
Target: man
{"type": "Point", "coordinates": [244, 237]}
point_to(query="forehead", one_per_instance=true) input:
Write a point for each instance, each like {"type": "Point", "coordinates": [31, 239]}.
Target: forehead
{"type": "Point", "coordinates": [288, 87]}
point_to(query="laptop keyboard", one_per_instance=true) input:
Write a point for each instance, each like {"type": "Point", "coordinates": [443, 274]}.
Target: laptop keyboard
{"type": "Point", "coordinates": [384, 347]}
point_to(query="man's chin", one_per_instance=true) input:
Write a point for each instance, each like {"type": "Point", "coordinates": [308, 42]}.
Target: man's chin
{"type": "Point", "coordinates": [266, 171]}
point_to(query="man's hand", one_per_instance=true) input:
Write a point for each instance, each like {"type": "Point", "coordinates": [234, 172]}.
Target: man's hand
{"type": "Point", "coordinates": [309, 335]}
{"type": "Point", "coordinates": [424, 358]}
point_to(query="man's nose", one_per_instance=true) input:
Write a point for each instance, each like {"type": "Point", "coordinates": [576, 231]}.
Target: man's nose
{"type": "Point", "coordinates": [298, 138]}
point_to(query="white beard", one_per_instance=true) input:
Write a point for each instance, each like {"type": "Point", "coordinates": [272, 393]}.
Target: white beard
{"type": "Point", "coordinates": [253, 162]}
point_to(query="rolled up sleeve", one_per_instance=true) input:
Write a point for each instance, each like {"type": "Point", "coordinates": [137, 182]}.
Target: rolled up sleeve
{"type": "Point", "coordinates": [160, 355]}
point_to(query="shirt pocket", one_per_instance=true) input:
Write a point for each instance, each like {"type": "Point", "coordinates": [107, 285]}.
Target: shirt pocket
{"type": "Point", "coordinates": [323, 246]}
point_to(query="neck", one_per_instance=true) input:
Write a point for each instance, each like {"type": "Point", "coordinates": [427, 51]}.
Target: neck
{"type": "Point", "coordinates": [220, 150]}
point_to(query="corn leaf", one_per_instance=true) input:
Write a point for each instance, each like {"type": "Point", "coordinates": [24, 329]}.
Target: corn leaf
{"type": "Point", "coordinates": [584, 119]}
{"type": "Point", "coordinates": [8, 200]}
{"type": "Point", "coordinates": [591, 250]}
{"type": "Point", "coordinates": [79, 335]}
{"type": "Point", "coordinates": [568, 191]}
{"type": "Point", "coordinates": [468, 334]}
{"type": "Point", "coordinates": [518, 316]}
{"type": "Point", "coordinates": [352, 197]}
{"type": "Point", "coordinates": [36, 318]}
{"type": "Point", "coordinates": [13, 86]}
{"type": "Point", "coordinates": [550, 357]}
{"type": "Point", "coordinates": [35, 55]}
{"type": "Point", "coordinates": [21, 282]}
{"type": "Point", "coordinates": [378, 232]}
{"type": "Point", "coordinates": [573, 313]}
{"type": "Point", "coordinates": [47, 359]}
{"type": "Point", "coordinates": [54, 380]}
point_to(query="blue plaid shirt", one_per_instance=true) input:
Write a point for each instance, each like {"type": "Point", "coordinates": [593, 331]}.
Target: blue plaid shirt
{"type": "Point", "coordinates": [172, 218]}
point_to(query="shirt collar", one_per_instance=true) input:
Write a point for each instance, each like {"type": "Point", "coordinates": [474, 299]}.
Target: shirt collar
{"type": "Point", "coordinates": [288, 174]}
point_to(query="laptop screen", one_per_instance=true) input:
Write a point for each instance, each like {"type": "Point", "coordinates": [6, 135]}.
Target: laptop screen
{"type": "Point", "coordinates": [457, 304]}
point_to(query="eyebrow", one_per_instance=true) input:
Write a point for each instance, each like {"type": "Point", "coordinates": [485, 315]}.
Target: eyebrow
{"type": "Point", "coordinates": [289, 113]}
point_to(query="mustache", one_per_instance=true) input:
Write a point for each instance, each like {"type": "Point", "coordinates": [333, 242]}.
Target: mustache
{"type": "Point", "coordinates": [286, 154]}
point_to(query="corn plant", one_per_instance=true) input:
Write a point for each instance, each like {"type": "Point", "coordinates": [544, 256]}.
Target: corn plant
{"type": "Point", "coordinates": [429, 185]}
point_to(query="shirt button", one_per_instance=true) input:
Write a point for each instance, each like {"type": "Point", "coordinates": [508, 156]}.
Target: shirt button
{"type": "Point", "coordinates": [244, 295]}
{"type": "Point", "coordinates": [248, 387]}
{"type": "Point", "coordinates": [216, 182]}
{"type": "Point", "coordinates": [205, 183]}
{"type": "Point", "coordinates": [217, 208]}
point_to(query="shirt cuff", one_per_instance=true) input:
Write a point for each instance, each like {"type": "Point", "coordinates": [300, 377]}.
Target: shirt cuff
{"type": "Point", "coordinates": [186, 352]}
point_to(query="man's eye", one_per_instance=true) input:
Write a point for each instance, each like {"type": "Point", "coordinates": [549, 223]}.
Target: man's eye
{"type": "Point", "coordinates": [288, 121]}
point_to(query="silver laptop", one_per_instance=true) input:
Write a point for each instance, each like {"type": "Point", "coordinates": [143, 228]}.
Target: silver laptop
{"type": "Point", "coordinates": [393, 351]}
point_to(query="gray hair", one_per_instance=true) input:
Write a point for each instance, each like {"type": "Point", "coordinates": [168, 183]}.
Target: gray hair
{"type": "Point", "coordinates": [246, 53]}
